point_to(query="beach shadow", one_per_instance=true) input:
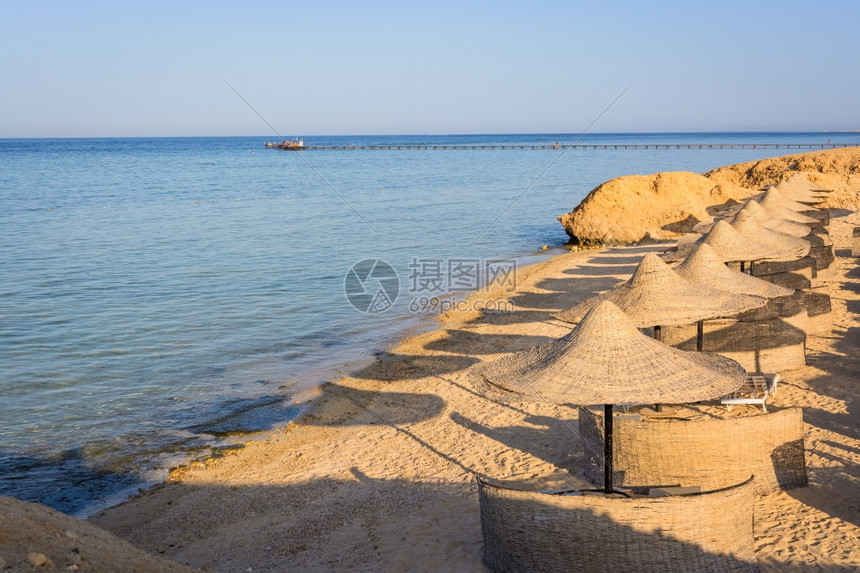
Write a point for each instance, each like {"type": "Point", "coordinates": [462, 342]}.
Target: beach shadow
{"type": "Point", "coordinates": [550, 302]}
{"type": "Point", "coordinates": [555, 442]}
{"type": "Point", "coordinates": [828, 493]}
{"type": "Point", "coordinates": [562, 285]}
{"type": "Point", "coordinates": [617, 261]}
{"type": "Point", "coordinates": [831, 481]}
{"type": "Point", "coordinates": [391, 367]}
{"type": "Point", "coordinates": [344, 406]}
{"type": "Point", "coordinates": [685, 225]}
{"type": "Point", "coordinates": [327, 524]}
{"type": "Point", "coordinates": [581, 288]}
{"type": "Point", "coordinates": [614, 273]}
{"type": "Point", "coordinates": [468, 342]}
{"type": "Point", "coordinates": [513, 317]}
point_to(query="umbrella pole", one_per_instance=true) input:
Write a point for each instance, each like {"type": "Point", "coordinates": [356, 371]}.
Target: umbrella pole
{"type": "Point", "coordinates": [700, 334]}
{"type": "Point", "coordinates": [658, 335]}
{"type": "Point", "coordinates": [607, 448]}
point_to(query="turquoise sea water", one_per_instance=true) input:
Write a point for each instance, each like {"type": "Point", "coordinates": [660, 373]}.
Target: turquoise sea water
{"type": "Point", "coordinates": [157, 294]}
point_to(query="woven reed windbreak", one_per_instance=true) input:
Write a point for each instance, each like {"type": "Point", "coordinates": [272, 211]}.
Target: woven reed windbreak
{"type": "Point", "coordinates": [823, 216]}
{"type": "Point", "coordinates": [803, 266]}
{"type": "Point", "coordinates": [710, 452]}
{"type": "Point", "coordinates": [542, 533]}
{"type": "Point", "coordinates": [770, 345]}
{"type": "Point", "coordinates": [797, 279]}
{"type": "Point", "coordinates": [823, 256]}
{"type": "Point", "coordinates": [790, 308]}
{"type": "Point", "coordinates": [818, 308]}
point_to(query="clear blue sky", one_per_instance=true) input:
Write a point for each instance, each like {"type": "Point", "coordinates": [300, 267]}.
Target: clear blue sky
{"type": "Point", "coordinates": [315, 67]}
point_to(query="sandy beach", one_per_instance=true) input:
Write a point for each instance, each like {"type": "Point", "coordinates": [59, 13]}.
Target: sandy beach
{"type": "Point", "coordinates": [379, 473]}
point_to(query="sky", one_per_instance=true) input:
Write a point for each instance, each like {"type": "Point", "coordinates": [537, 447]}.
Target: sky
{"type": "Point", "coordinates": [117, 69]}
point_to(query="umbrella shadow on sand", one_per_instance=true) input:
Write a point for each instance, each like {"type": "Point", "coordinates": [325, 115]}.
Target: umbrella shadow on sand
{"type": "Point", "coordinates": [342, 405]}
{"type": "Point", "coordinates": [552, 440]}
{"type": "Point", "coordinates": [830, 481]}
{"type": "Point", "coordinates": [469, 342]}
{"type": "Point", "coordinates": [391, 366]}
{"type": "Point", "coordinates": [326, 523]}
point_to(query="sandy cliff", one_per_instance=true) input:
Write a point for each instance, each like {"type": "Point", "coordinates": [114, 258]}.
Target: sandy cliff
{"type": "Point", "coordinates": [665, 205]}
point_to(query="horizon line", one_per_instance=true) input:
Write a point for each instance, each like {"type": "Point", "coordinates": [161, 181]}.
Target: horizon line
{"type": "Point", "coordinates": [733, 132]}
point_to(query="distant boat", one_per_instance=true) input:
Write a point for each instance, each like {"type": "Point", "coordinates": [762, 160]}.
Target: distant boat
{"type": "Point", "coordinates": [288, 145]}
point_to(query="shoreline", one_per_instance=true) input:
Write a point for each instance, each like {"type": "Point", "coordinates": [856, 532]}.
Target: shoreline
{"type": "Point", "coordinates": [309, 386]}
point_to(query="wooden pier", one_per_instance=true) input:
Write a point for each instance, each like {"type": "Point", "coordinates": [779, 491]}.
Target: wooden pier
{"type": "Point", "coordinates": [585, 146]}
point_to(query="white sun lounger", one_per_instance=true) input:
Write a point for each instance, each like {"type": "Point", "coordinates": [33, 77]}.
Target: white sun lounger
{"type": "Point", "coordinates": [756, 389]}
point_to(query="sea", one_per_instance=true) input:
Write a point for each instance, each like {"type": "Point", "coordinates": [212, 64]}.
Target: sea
{"type": "Point", "coordinates": [163, 299]}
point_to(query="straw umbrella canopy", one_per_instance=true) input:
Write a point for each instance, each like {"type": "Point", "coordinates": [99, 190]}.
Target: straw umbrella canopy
{"type": "Point", "coordinates": [729, 245]}
{"type": "Point", "coordinates": [777, 218]}
{"type": "Point", "coordinates": [773, 197]}
{"type": "Point", "coordinates": [799, 193]}
{"type": "Point", "coordinates": [779, 212]}
{"type": "Point", "coordinates": [704, 266]}
{"type": "Point", "coordinates": [684, 246]}
{"type": "Point", "coordinates": [791, 248]}
{"type": "Point", "coordinates": [657, 296]}
{"type": "Point", "coordinates": [606, 360]}
{"type": "Point", "coordinates": [765, 219]}
{"type": "Point", "coordinates": [804, 183]}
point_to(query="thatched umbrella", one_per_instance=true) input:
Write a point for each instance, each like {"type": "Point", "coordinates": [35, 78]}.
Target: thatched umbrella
{"type": "Point", "coordinates": [657, 296]}
{"type": "Point", "coordinates": [606, 360]}
{"type": "Point", "coordinates": [779, 219]}
{"type": "Point", "coordinates": [800, 193]}
{"type": "Point", "coordinates": [728, 244]}
{"type": "Point", "coordinates": [791, 247]}
{"type": "Point", "coordinates": [760, 215]}
{"type": "Point", "coordinates": [804, 181]}
{"type": "Point", "coordinates": [704, 266]}
{"type": "Point", "coordinates": [777, 211]}
{"type": "Point", "coordinates": [773, 197]}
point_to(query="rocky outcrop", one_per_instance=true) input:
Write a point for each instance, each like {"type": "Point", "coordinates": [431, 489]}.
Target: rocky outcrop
{"type": "Point", "coordinates": [665, 205]}
{"type": "Point", "coordinates": [640, 207]}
